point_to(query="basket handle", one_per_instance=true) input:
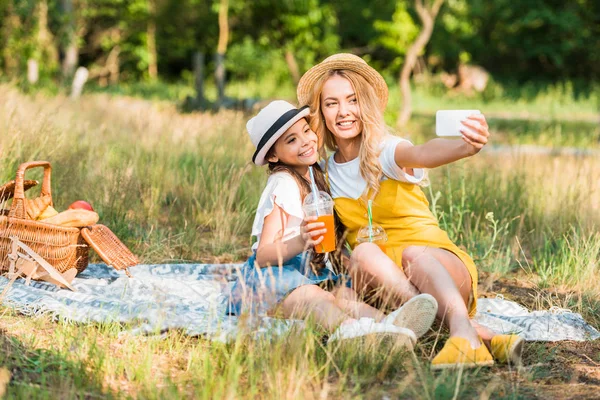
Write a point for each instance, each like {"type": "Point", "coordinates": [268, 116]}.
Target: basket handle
{"type": "Point", "coordinates": [17, 209]}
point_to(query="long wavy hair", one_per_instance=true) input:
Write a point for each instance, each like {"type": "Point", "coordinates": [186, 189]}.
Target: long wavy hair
{"type": "Point", "coordinates": [373, 125]}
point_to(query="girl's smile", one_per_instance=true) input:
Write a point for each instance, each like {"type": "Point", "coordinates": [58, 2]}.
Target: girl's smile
{"type": "Point", "coordinates": [297, 147]}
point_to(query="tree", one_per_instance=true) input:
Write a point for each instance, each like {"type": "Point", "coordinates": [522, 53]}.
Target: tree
{"type": "Point", "coordinates": [151, 41]}
{"type": "Point", "coordinates": [395, 35]}
{"type": "Point", "coordinates": [27, 38]}
{"type": "Point", "coordinates": [221, 49]}
{"type": "Point", "coordinates": [11, 25]}
{"type": "Point", "coordinates": [70, 47]}
{"type": "Point", "coordinates": [300, 32]}
{"type": "Point", "coordinates": [427, 14]}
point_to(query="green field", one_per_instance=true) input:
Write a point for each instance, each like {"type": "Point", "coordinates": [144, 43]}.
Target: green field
{"type": "Point", "coordinates": [178, 187]}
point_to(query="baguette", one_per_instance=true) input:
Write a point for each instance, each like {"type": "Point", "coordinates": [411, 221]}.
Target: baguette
{"type": "Point", "coordinates": [76, 218]}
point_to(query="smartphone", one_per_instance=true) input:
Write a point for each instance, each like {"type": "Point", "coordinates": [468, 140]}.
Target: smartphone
{"type": "Point", "coordinates": [447, 122]}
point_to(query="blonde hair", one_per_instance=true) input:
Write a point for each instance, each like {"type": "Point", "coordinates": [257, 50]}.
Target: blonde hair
{"type": "Point", "coordinates": [373, 125]}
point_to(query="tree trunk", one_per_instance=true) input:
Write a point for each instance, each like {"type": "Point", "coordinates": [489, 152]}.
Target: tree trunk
{"type": "Point", "coordinates": [45, 40]}
{"type": "Point", "coordinates": [220, 78]}
{"type": "Point", "coordinates": [81, 77]}
{"type": "Point", "coordinates": [199, 78]}
{"type": "Point", "coordinates": [113, 65]}
{"type": "Point", "coordinates": [293, 66]}
{"type": "Point", "coordinates": [70, 49]}
{"type": "Point", "coordinates": [10, 25]}
{"type": "Point", "coordinates": [221, 49]}
{"type": "Point", "coordinates": [427, 16]}
{"type": "Point", "coordinates": [33, 71]}
{"type": "Point", "coordinates": [151, 42]}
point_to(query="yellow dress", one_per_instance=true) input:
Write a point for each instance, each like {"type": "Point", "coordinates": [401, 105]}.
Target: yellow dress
{"type": "Point", "coordinates": [403, 211]}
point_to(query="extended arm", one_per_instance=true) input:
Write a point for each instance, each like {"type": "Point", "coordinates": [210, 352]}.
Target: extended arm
{"type": "Point", "coordinates": [437, 152]}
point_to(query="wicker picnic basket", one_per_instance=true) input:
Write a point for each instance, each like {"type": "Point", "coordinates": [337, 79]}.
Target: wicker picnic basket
{"type": "Point", "coordinates": [63, 247]}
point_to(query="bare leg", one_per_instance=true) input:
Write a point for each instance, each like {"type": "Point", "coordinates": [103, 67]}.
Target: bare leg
{"type": "Point", "coordinates": [371, 269]}
{"type": "Point", "coordinates": [310, 301]}
{"type": "Point", "coordinates": [444, 276]}
{"type": "Point", "coordinates": [484, 333]}
{"type": "Point", "coordinates": [462, 279]}
{"type": "Point", "coordinates": [348, 300]}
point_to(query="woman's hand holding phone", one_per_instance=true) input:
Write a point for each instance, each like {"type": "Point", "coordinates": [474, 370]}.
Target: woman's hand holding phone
{"type": "Point", "coordinates": [471, 125]}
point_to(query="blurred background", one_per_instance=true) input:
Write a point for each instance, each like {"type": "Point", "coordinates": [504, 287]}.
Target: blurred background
{"type": "Point", "coordinates": [233, 52]}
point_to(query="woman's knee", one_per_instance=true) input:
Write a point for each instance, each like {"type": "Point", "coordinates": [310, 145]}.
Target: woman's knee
{"type": "Point", "coordinates": [413, 256]}
{"type": "Point", "coordinates": [363, 254]}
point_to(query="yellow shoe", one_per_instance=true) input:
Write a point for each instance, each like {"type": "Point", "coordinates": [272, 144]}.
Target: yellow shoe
{"type": "Point", "coordinates": [507, 349]}
{"type": "Point", "coordinates": [457, 353]}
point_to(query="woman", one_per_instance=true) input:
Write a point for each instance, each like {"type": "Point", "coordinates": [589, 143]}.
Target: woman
{"type": "Point", "coordinates": [347, 99]}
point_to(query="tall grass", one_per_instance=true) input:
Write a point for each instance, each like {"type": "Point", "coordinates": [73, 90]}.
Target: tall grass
{"type": "Point", "coordinates": [172, 186]}
{"type": "Point", "coordinates": [517, 211]}
{"type": "Point", "coordinates": [179, 187]}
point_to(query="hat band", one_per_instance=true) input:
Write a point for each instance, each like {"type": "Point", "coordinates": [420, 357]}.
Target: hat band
{"type": "Point", "coordinates": [281, 121]}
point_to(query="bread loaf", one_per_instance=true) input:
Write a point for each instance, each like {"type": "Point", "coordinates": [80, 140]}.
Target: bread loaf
{"type": "Point", "coordinates": [35, 207]}
{"type": "Point", "coordinates": [74, 218]}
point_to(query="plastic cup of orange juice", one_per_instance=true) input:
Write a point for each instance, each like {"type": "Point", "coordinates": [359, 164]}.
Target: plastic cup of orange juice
{"type": "Point", "coordinates": [323, 210]}
{"type": "Point", "coordinates": [377, 236]}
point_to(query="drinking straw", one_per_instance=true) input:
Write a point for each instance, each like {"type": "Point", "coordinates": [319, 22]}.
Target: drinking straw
{"type": "Point", "coordinates": [313, 187]}
{"type": "Point", "coordinates": [370, 214]}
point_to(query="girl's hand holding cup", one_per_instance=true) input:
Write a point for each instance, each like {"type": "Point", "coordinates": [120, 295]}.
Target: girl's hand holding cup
{"type": "Point", "coordinates": [319, 207]}
{"type": "Point", "coordinates": [312, 231]}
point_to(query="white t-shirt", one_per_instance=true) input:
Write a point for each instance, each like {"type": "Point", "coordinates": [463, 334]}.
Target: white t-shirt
{"type": "Point", "coordinates": [345, 179]}
{"type": "Point", "coordinates": [281, 189]}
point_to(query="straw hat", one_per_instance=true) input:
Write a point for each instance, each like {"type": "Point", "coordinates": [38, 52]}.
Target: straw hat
{"type": "Point", "coordinates": [342, 61]}
{"type": "Point", "coordinates": [269, 124]}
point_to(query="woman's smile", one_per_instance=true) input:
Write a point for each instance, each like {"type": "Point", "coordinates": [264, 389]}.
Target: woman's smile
{"type": "Point", "coordinates": [346, 124]}
{"type": "Point", "coordinates": [340, 108]}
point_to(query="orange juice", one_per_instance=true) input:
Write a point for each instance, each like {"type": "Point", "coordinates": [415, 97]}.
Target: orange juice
{"type": "Point", "coordinates": [328, 243]}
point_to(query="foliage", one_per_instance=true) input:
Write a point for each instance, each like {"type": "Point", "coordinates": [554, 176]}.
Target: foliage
{"type": "Point", "coordinates": [548, 41]}
{"type": "Point", "coordinates": [302, 28]}
{"type": "Point", "coordinates": [522, 40]}
{"type": "Point", "coordinates": [24, 37]}
{"type": "Point", "coordinates": [396, 35]}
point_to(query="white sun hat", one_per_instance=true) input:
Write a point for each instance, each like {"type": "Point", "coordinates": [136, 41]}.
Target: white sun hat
{"type": "Point", "coordinates": [269, 124]}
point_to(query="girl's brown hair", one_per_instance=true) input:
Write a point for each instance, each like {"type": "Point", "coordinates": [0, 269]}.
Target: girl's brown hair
{"type": "Point", "coordinates": [318, 259]}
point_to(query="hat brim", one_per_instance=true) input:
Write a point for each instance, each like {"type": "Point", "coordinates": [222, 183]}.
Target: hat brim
{"type": "Point", "coordinates": [343, 62]}
{"type": "Point", "coordinates": [271, 137]}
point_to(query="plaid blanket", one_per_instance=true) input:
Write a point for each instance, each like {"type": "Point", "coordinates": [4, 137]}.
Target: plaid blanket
{"type": "Point", "coordinates": [193, 298]}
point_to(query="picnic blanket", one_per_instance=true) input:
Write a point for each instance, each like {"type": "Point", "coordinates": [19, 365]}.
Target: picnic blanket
{"type": "Point", "coordinates": [193, 298]}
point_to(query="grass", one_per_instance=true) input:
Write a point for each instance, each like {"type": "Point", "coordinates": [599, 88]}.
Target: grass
{"type": "Point", "coordinates": [178, 187]}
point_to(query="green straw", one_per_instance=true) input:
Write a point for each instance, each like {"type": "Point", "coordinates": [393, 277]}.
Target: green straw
{"type": "Point", "coordinates": [370, 214]}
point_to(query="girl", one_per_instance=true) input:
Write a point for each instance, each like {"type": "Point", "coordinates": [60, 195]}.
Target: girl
{"type": "Point", "coordinates": [347, 99]}
{"type": "Point", "coordinates": [283, 277]}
